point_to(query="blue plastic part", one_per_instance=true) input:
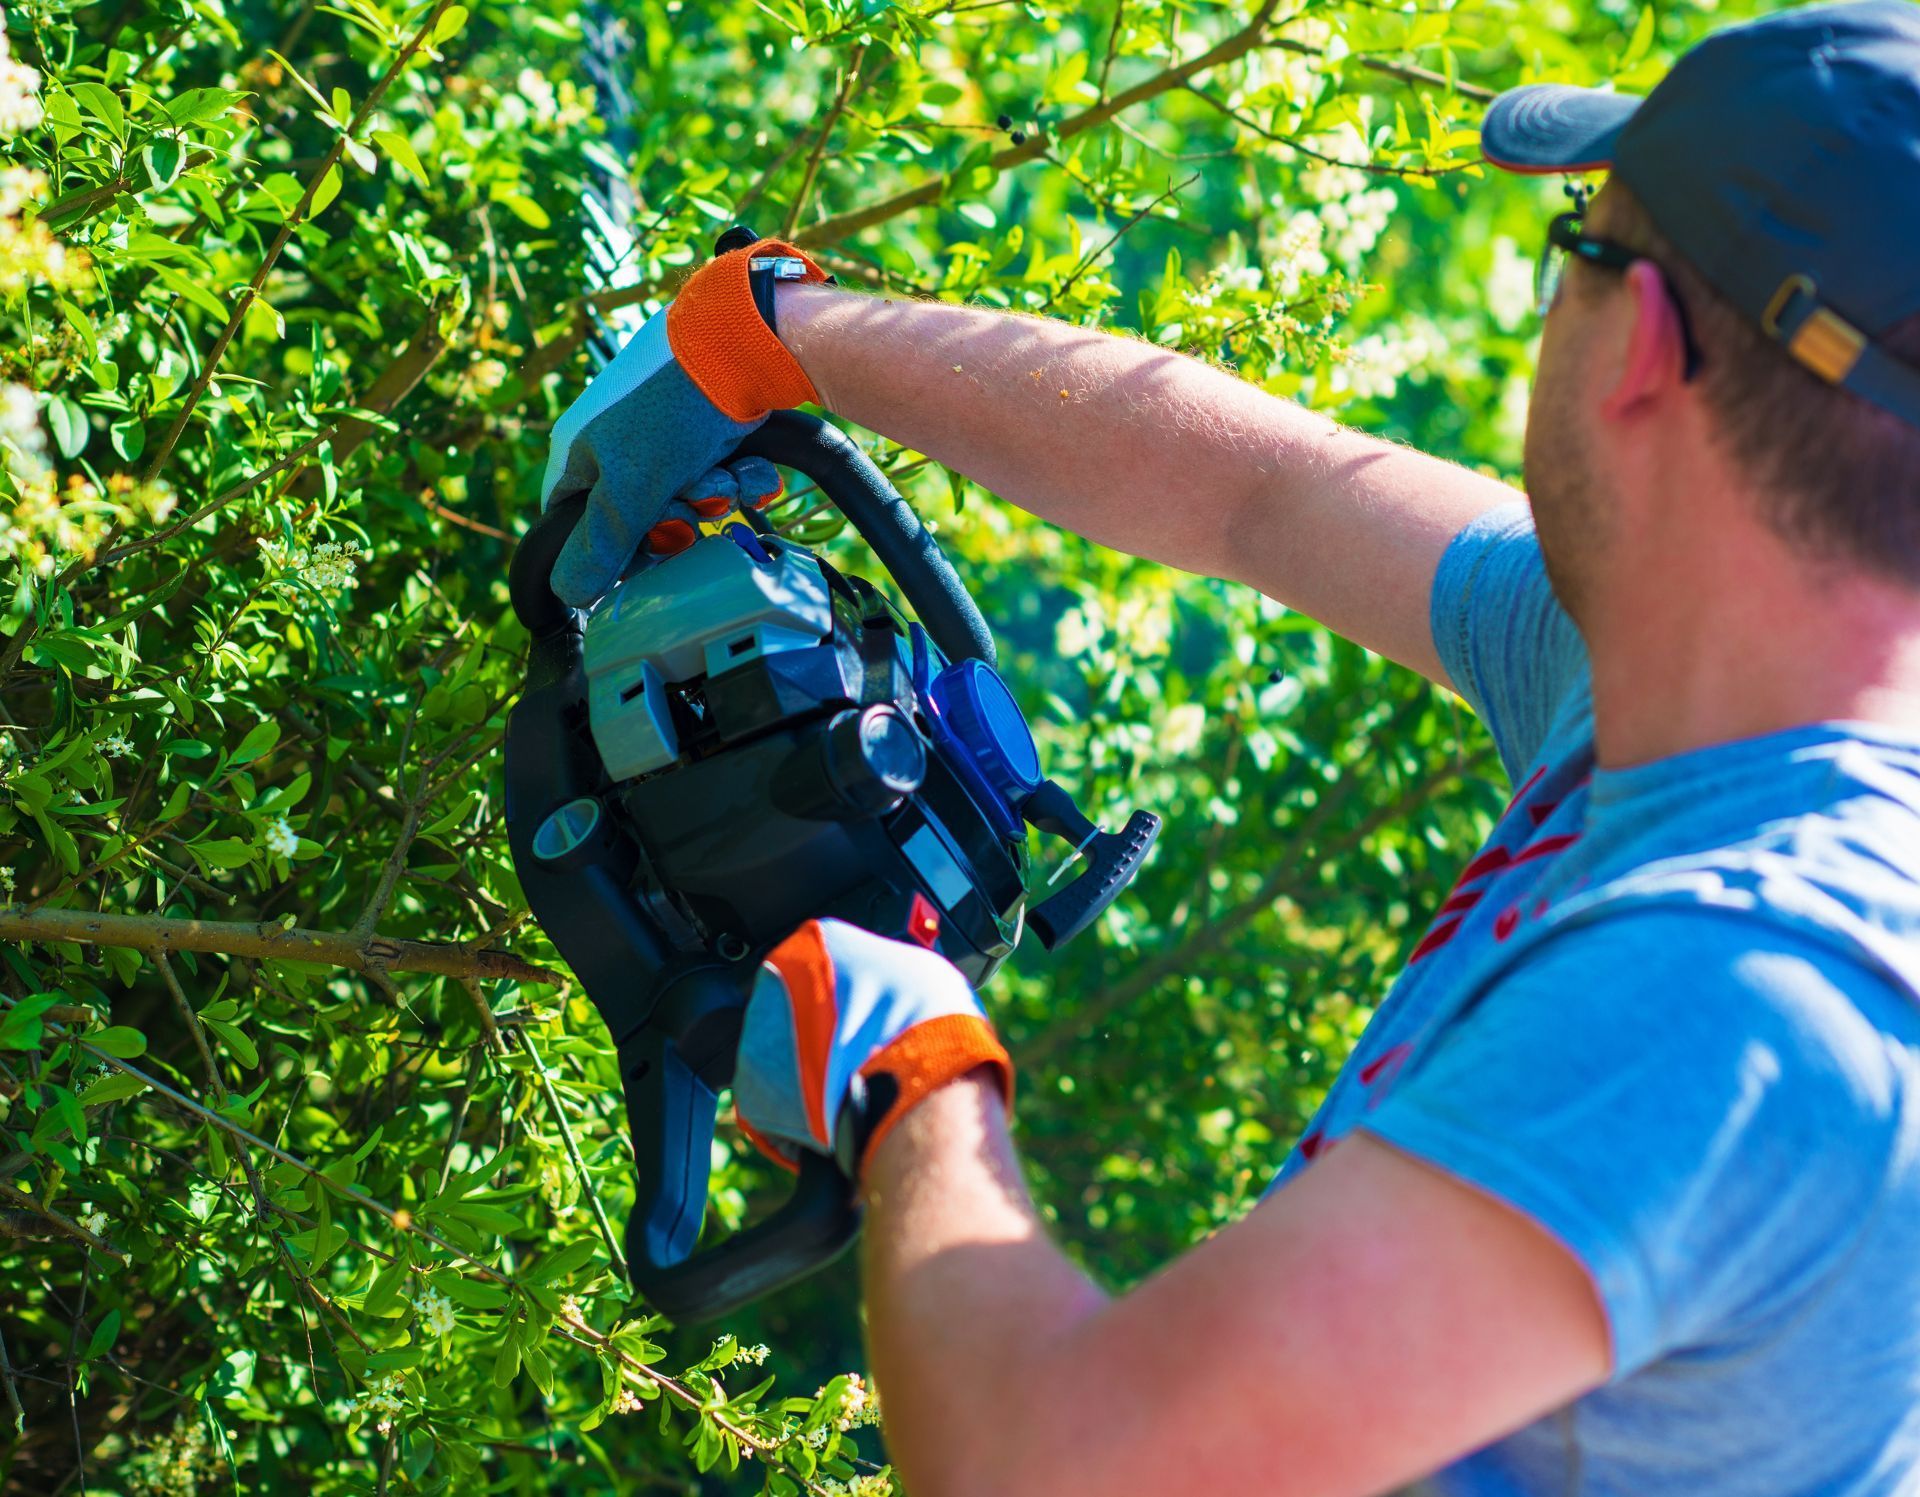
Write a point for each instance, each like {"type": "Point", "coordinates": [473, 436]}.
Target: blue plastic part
{"type": "Point", "coordinates": [928, 666]}
{"type": "Point", "coordinates": [976, 704]}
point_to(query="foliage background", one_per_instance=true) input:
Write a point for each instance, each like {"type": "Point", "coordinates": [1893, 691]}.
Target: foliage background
{"type": "Point", "coordinates": [292, 293]}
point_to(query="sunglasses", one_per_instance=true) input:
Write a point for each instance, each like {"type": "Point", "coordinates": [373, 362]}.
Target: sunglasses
{"type": "Point", "coordinates": [1566, 241]}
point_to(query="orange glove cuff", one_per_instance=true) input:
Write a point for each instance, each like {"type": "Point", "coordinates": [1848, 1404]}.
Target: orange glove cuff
{"type": "Point", "coordinates": [719, 337]}
{"type": "Point", "coordinates": [927, 1057]}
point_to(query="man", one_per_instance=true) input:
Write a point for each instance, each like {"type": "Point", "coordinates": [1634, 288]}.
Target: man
{"type": "Point", "coordinates": [1620, 1191]}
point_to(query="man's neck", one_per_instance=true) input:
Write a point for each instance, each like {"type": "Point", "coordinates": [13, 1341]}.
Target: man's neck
{"type": "Point", "coordinates": [1748, 641]}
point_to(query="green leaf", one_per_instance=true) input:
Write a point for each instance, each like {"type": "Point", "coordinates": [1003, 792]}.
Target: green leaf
{"type": "Point", "coordinates": [506, 1363]}
{"type": "Point", "coordinates": [525, 209]}
{"type": "Point", "coordinates": [164, 158]}
{"type": "Point", "coordinates": [1642, 40]}
{"type": "Point", "coordinates": [104, 1335]}
{"type": "Point", "coordinates": [121, 1040]}
{"type": "Point", "coordinates": [475, 1294]}
{"type": "Point", "coordinates": [111, 1088]}
{"type": "Point", "coordinates": [187, 287]}
{"type": "Point", "coordinates": [68, 423]}
{"type": "Point", "coordinates": [383, 1296]}
{"type": "Point", "coordinates": [261, 737]}
{"type": "Point", "coordinates": [222, 852]}
{"type": "Point", "coordinates": [449, 24]}
{"type": "Point", "coordinates": [326, 106]}
{"type": "Point", "coordinates": [129, 436]}
{"type": "Point", "coordinates": [235, 1040]}
{"type": "Point", "coordinates": [326, 192]}
{"type": "Point", "coordinates": [199, 105]}
{"type": "Point", "coordinates": [20, 1026]}
{"type": "Point", "coordinates": [487, 1218]}
{"type": "Point", "coordinates": [400, 150]}
{"type": "Point", "coordinates": [564, 1263]}
{"type": "Point", "coordinates": [104, 105]}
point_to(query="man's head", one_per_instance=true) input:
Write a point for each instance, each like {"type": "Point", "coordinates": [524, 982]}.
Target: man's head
{"type": "Point", "coordinates": [1744, 304]}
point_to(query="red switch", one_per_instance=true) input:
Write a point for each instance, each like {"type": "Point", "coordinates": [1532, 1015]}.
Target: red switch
{"type": "Point", "coordinates": [923, 921]}
{"type": "Point", "coordinates": [712, 507]}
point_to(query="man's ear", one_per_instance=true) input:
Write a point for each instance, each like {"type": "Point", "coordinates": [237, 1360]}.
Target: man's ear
{"type": "Point", "coordinates": [1653, 364]}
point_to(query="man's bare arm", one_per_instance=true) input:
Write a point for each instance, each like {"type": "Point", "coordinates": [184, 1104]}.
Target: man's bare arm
{"type": "Point", "coordinates": [1151, 453]}
{"type": "Point", "coordinates": [1367, 1323]}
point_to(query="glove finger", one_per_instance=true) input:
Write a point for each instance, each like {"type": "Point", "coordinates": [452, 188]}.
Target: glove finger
{"type": "Point", "coordinates": [597, 552]}
{"type": "Point", "coordinates": [712, 494]}
{"type": "Point", "coordinates": [758, 481]}
{"type": "Point", "coordinates": [786, 1043]}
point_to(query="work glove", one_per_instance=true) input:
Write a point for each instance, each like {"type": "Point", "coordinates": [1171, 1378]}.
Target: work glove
{"type": "Point", "coordinates": [845, 1033]}
{"type": "Point", "coordinates": [647, 433]}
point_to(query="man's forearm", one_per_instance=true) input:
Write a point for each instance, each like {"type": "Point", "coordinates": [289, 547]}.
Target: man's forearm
{"type": "Point", "coordinates": [1130, 445]}
{"type": "Point", "coordinates": [1149, 452]}
{"type": "Point", "coordinates": [966, 1294]}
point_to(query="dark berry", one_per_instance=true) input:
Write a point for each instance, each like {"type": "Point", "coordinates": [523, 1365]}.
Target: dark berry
{"type": "Point", "coordinates": [1005, 122]}
{"type": "Point", "coordinates": [1019, 137]}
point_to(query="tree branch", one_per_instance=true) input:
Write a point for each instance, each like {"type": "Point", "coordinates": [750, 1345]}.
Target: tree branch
{"type": "Point", "coordinates": [157, 935]}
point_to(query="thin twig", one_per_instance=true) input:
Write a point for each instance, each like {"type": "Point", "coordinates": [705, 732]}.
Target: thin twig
{"type": "Point", "coordinates": [1093, 257]}
{"type": "Point", "coordinates": [1292, 143]}
{"type": "Point", "coordinates": [840, 98]}
{"type": "Point", "coordinates": [545, 1084]}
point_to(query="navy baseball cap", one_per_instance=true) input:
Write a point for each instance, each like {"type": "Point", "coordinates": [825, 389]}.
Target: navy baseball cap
{"type": "Point", "coordinates": [1782, 158]}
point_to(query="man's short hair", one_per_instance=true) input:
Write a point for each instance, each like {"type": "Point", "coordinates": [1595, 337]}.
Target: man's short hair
{"type": "Point", "coordinates": [1836, 474]}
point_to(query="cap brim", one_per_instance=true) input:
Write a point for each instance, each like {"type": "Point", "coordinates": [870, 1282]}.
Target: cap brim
{"type": "Point", "coordinates": [1551, 127]}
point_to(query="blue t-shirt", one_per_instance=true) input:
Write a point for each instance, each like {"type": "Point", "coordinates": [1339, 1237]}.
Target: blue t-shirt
{"type": "Point", "coordinates": [1672, 1014]}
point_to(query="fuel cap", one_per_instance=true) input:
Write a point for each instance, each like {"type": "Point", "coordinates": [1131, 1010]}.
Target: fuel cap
{"type": "Point", "coordinates": [981, 713]}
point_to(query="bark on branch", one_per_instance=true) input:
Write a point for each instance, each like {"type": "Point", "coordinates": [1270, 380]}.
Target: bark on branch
{"type": "Point", "coordinates": [157, 935]}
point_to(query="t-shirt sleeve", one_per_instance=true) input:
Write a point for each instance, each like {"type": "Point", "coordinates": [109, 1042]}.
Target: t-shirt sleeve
{"type": "Point", "coordinates": [1507, 644]}
{"type": "Point", "coordinates": [1703, 1121]}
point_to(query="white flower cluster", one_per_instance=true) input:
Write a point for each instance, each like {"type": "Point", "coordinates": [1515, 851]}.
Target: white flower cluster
{"type": "Point", "coordinates": [1352, 208]}
{"type": "Point", "coordinates": [1300, 255]}
{"type": "Point", "coordinates": [1296, 74]}
{"type": "Point", "coordinates": [857, 1407]}
{"type": "Point", "coordinates": [94, 1221]}
{"type": "Point", "coordinates": [173, 1465]}
{"type": "Point", "coordinates": [384, 1398]}
{"type": "Point", "coordinates": [26, 443]}
{"type": "Point", "coordinates": [280, 839]}
{"type": "Point", "coordinates": [757, 1355]}
{"type": "Point", "coordinates": [19, 92]}
{"type": "Point", "coordinates": [537, 91]}
{"type": "Point", "coordinates": [20, 185]}
{"type": "Point", "coordinates": [329, 564]}
{"type": "Point", "coordinates": [859, 1486]}
{"type": "Point", "coordinates": [1373, 366]}
{"type": "Point", "coordinates": [115, 745]}
{"type": "Point", "coordinates": [436, 1311]}
{"type": "Point", "coordinates": [626, 1401]}
{"type": "Point", "coordinates": [29, 253]}
{"type": "Point", "coordinates": [1184, 726]}
{"type": "Point", "coordinates": [570, 1310]}
{"type": "Point", "coordinates": [1510, 294]}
